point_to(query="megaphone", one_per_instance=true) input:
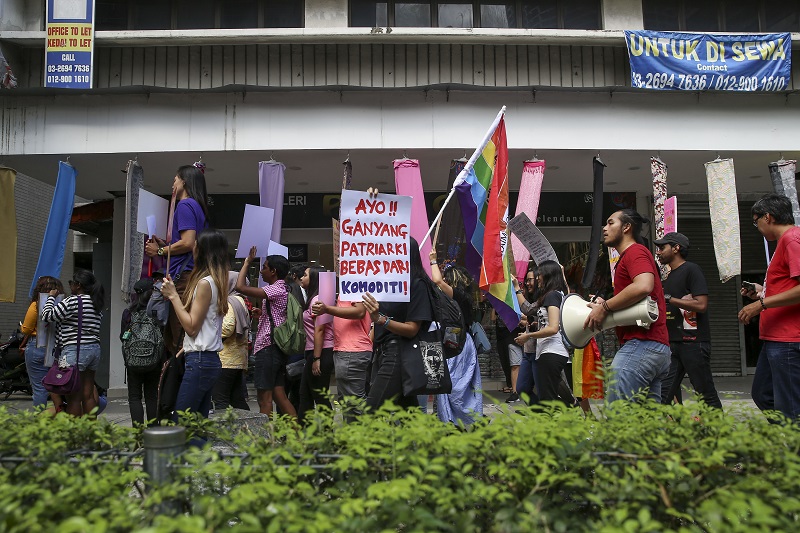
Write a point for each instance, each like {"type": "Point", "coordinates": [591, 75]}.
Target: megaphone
{"type": "Point", "coordinates": [574, 311]}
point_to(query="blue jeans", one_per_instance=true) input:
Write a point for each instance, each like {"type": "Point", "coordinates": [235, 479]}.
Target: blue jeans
{"type": "Point", "coordinates": [202, 371]}
{"type": "Point", "coordinates": [639, 366]}
{"type": "Point", "coordinates": [88, 359]}
{"type": "Point", "coordinates": [776, 384]}
{"type": "Point", "coordinates": [526, 379]}
{"type": "Point", "coordinates": [34, 362]}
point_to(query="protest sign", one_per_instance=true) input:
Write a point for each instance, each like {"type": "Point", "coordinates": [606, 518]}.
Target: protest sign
{"type": "Point", "coordinates": [151, 205]}
{"type": "Point", "coordinates": [276, 248]}
{"type": "Point", "coordinates": [532, 239]}
{"type": "Point", "coordinates": [374, 246]}
{"type": "Point", "coordinates": [671, 214]}
{"type": "Point", "coordinates": [256, 230]}
{"type": "Point", "coordinates": [327, 294]}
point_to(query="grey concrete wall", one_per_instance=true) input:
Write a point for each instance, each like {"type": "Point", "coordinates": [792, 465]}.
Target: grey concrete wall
{"type": "Point", "coordinates": [32, 200]}
{"type": "Point", "coordinates": [21, 15]}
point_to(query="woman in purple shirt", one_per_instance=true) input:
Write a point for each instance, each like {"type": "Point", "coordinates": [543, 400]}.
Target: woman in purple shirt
{"type": "Point", "coordinates": [190, 218]}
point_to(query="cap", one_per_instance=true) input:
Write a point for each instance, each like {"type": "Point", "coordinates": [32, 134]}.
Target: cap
{"type": "Point", "coordinates": [143, 285]}
{"type": "Point", "coordinates": [674, 238]}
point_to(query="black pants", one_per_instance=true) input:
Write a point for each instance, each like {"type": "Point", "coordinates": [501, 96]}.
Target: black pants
{"type": "Point", "coordinates": [504, 338]}
{"type": "Point", "coordinates": [137, 383]}
{"type": "Point", "coordinates": [229, 390]}
{"type": "Point", "coordinates": [387, 378]}
{"type": "Point", "coordinates": [314, 389]}
{"type": "Point", "coordinates": [548, 377]}
{"type": "Point", "coordinates": [693, 358]}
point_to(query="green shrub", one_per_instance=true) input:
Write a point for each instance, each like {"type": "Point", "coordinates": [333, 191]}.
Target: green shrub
{"type": "Point", "coordinates": [639, 468]}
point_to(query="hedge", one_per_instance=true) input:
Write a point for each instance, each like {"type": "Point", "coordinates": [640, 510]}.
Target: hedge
{"type": "Point", "coordinates": [636, 468]}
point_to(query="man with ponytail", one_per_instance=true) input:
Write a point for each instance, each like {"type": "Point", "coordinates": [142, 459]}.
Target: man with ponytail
{"type": "Point", "coordinates": [643, 360]}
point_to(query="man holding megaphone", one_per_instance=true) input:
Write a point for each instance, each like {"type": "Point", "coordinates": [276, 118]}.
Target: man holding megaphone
{"type": "Point", "coordinates": [643, 360]}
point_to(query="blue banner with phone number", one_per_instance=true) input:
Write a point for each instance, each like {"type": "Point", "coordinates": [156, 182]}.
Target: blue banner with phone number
{"type": "Point", "coordinates": [702, 62]}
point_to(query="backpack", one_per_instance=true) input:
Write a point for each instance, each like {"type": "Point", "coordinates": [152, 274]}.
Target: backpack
{"type": "Point", "coordinates": [289, 337]}
{"type": "Point", "coordinates": [447, 313]}
{"type": "Point", "coordinates": [143, 343]}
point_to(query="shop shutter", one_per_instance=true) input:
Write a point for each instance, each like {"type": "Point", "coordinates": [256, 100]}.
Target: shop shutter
{"type": "Point", "coordinates": [723, 298]}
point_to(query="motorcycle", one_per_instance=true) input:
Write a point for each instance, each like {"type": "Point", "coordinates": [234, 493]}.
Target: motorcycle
{"type": "Point", "coordinates": [13, 372]}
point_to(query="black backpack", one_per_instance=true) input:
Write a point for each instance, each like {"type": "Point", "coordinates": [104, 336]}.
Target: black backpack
{"type": "Point", "coordinates": [143, 343]}
{"type": "Point", "coordinates": [447, 313]}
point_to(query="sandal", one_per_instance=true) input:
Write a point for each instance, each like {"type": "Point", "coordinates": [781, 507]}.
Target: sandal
{"type": "Point", "coordinates": [506, 390]}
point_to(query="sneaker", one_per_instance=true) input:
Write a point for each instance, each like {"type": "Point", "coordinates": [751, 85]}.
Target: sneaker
{"type": "Point", "coordinates": [513, 398]}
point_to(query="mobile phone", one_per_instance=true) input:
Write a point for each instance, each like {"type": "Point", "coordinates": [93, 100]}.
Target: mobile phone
{"type": "Point", "coordinates": [748, 286]}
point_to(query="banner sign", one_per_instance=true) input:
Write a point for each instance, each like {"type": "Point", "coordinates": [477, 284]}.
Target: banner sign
{"type": "Point", "coordinates": [374, 246]}
{"type": "Point", "coordinates": [702, 62]}
{"type": "Point", "coordinates": [671, 214]}
{"type": "Point", "coordinates": [69, 44]}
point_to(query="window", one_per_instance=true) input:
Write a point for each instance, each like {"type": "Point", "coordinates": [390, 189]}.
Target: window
{"type": "Point", "coordinates": [734, 16]}
{"type": "Point", "coordinates": [574, 14]}
{"type": "Point", "coordinates": [198, 14]}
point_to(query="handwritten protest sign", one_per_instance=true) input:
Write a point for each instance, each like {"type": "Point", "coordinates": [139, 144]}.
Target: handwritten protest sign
{"type": "Point", "coordinates": [532, 238]}
{"type": "Point", "coordinates": [374, 246]}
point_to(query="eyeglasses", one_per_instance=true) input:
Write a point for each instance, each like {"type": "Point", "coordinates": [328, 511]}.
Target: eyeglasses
{"type": "Point", "coordinates": [755, 220]}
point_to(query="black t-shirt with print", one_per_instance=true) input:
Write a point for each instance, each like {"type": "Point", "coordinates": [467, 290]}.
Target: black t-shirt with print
{"type": "Point", "coordinates": [418, 309]}
{"type": "Point", "coordinates": [685, 325]}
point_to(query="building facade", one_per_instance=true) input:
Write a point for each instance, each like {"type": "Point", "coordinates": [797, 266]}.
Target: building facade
{"type": "Point", "coordinates": [311, 83]}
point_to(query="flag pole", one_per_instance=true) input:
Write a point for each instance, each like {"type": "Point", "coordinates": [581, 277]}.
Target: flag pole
{"type": "Point", "coordinates": [471, 163]}
{"type": "Point", "coordinates": [169, 231]}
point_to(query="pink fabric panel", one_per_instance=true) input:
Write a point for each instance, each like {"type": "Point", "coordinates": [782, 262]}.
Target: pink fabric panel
{"type": "Point", "coordinates": [530, 190]}
{"type": "Point", "coordinates": [408, 182]}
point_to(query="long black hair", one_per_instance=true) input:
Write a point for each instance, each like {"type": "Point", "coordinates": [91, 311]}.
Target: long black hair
{"type": "Point", "coordinates": [194, 183]}
{"type": "Point", "coordinates": [552, 279]}
{"type": "Point", "coordinates": [313, 284]}
{"type": "Point", "coordinates": [533, 295]}
{"type": "Point", "coordinates": [416, 270]}
{"type": "Point", "coordinates": [90, 286]}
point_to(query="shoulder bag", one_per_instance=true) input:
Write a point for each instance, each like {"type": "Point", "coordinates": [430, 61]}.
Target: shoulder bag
{"type": "Point", "coordinates": [66, 381]}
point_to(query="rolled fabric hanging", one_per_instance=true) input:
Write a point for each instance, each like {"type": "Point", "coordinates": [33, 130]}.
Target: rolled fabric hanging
{"type": "Point", "coordinates": [723, 203]}
{"type": "Point", "coordinates": [597, 223]}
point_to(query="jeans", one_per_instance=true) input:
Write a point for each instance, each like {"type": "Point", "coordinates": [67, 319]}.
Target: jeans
{"type": "Point", "coordinates": [314, 389]}
{"type": "Point", "coordinates": [351, 377]}
{"type": "Point", "coordinates": [87, 359]}
{"type": "Point", "coordinates": [387, 377]}
{"type": "Point", "coordinates": [230, 390]}
{"type": "Point", "coordinates": [776, 385]}
{"type": "Point", "coordinates": [527, 377]}
{"type": "Point", "coordinates": [639, 366]}
{"type": "Point", "coordinates": [202, 371]}
{"type": "Point", "coordinates": [693, 358]}
{"type": "Point", "coordinates": [34, 362]}
{"type": "Point", "coordinates": [147, 381]}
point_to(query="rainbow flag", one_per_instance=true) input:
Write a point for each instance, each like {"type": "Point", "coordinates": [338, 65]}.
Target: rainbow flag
{"type": "Point", "coordinates": [488, 255]}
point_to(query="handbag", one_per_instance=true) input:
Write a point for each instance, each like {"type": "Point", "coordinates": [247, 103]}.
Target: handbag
{"type": "Point", "coordinates": [423, 365]}
{"type": "Point", "coordinates": [295, 370]}
{"type": "Point", "coordinates": [66, 381]}
{"type": "Point", "coordinates": [482, 343]}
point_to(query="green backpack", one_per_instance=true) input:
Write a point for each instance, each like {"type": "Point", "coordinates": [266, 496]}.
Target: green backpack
{"type": "Point", "coordinates": [289, 337]}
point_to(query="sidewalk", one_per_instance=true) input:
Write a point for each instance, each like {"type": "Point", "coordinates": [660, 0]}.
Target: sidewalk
{"type": "Point", "coordinates": [733, 391]}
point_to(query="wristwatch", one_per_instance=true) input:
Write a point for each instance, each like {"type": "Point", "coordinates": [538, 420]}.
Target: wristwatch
{"type": "Point", "coordinates": [667, 297]}
{"type": "Point", "coordinates": [160, 250]}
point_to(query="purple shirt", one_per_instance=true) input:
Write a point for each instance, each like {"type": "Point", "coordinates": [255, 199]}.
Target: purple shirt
{"type": "Point", "coordinates": [188, 216]}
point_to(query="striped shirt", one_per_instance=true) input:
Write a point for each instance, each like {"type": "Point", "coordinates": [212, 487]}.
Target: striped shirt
{"type": "Point", "coordinates": [66, 315]}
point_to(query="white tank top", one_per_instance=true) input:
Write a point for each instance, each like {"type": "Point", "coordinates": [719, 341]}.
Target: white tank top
{"type": "Point", "coordinates": [209, 338]}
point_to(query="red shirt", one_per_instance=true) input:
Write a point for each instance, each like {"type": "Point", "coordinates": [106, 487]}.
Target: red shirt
{"type": "Point", "coordinates": [782, 324]}
{"type": "Point", "coordinates": [635, 260]}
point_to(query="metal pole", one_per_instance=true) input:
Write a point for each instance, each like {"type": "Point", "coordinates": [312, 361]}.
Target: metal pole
{"type": "Point", "coordinates": [162, 446]}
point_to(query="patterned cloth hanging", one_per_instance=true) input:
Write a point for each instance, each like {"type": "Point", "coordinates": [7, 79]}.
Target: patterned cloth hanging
{"type": "Point", "coordinates": [7, 78]}
{"type": "Point", "coordinates": [783, 182]}
{"type": "Point", "coordinates": [595, 240]}
{"type": "Point", "coordinates": [659, 171]}
{"type": "Point", "coordinates": [723, 203]}
{"type": "Point", "coordinates": [133, 247]}
{"type": "Point", "coordinates": [530, 191]}
{"type": "Point", "coordinates": [347, 182]}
